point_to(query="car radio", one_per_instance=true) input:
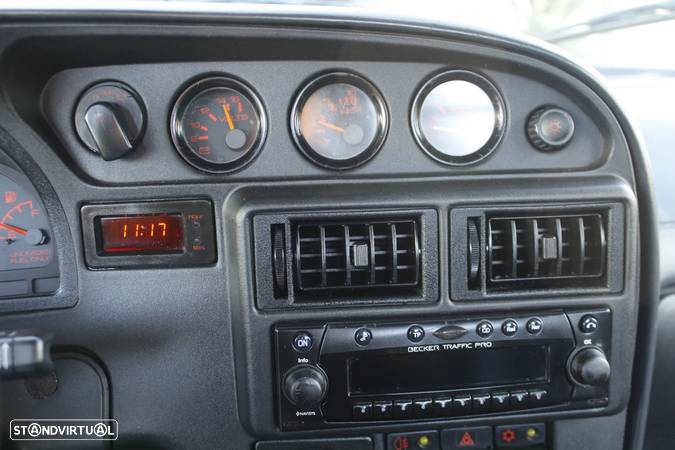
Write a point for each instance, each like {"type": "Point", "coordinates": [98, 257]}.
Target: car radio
{"type": "Point", "coordinates": [341, 374]}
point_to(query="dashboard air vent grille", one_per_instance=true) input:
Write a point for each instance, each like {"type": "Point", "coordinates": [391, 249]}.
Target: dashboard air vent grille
{"type": "Point", "coordinates": [546, 251]}
{"type": "Point", "coordinates": [339, 256]}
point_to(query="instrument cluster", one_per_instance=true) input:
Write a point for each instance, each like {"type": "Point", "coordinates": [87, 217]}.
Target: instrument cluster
{"type": "Point", "coordinates": [338, 120]}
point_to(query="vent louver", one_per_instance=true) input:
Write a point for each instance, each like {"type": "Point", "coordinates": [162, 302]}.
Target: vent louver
{"type": "Point", "coordinates": [352, 256]}
{"type": "Point", "coordinates": [546, 251]}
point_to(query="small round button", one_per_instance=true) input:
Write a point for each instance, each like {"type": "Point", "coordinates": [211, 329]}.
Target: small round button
{"type": "Point", "coordinates": [415, 333]}
{"type": "Point", "coordinates": [534, 326]}
{"type": "Point", "coordinates": [302, 342]}
{"type": "Point", "coordinates": [588, 324]}
{"type": "Point", "coordinates": [509, 327]}
{"type": "Point", "coordinates": [484, 329]}
{"type": "Point", "coordinates": [363, 336]}
{"type": "Point", "coordinates": [550, 128]}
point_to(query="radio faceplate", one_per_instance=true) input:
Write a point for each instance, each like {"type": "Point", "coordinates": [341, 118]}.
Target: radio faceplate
{"type": "Point", "coordinates": [339, 374]}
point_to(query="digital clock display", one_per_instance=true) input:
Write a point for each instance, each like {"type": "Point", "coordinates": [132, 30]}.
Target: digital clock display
{"type": "Point", "coordinates": [142, 234]}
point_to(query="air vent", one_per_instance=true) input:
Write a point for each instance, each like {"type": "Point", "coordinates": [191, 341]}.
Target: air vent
{"type": "Point", "coordinates": [357, 256]}
{"type": "Point", "coordinates": [546, 252]}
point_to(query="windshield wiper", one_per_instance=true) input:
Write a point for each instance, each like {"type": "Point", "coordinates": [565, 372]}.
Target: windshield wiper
{"type": "Point", "coordinates": [631, 17]}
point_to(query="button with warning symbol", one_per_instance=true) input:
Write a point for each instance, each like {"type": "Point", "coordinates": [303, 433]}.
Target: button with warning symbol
{"type": "Point", "coordinates": [518, 436]}
{"type": "Point", "coordinates": [467, 438]}
{"type": "Point", "coordinates": [419, 440]}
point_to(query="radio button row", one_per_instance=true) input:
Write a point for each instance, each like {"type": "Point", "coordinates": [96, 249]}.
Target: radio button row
{"type": "Point", "coordinates": [458, 405]}
{"type": "Point", "coordinates": [403, 409]}
{"type": "Point", "coordinates": [422, 407]}
{"type": "Point", "coordinates": [362, 410]}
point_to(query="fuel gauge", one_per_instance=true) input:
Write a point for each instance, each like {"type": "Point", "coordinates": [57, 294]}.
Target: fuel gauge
{"type": "Point", "coordinates": [25, 237]}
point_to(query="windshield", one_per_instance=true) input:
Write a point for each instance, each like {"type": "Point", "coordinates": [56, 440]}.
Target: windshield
{"type": "Point", "coordinates": [605, 33]}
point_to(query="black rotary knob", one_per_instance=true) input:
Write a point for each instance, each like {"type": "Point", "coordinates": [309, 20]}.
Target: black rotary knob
{"type": "Point", "coordinates": [550, 128]}
{"type": "Point", "coordinates": [110, 120]}
{"type": "Point", "coordinates": [305, 386]}
{"type": "Point", "coordinates": [590, 367]}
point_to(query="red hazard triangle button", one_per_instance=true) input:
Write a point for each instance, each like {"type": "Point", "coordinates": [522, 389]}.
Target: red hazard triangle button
{"type": "Point", "coordinates": [475, 438]}
{"type": "Point", "coordinates": [466, 440]}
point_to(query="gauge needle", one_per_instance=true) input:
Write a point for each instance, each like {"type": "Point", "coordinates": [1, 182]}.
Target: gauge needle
{"type": "Point", "coordinates": [17, 230]}
{"type": "Point", "coordinates": [331, 126]}
{"type": "Point", "coordinates": [228, 117]}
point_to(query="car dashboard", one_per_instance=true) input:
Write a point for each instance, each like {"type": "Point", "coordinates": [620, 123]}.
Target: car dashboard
{"type": "Point", "coordinates": [281, 229]}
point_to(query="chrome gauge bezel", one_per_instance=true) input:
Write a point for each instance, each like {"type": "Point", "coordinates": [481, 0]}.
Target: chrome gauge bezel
{"type": "Point", "coordinates": [178, 134]}
{"type": "Point", "coordinates": [373, 94]}
{"type": "Point", "coordinates": [497, 102]}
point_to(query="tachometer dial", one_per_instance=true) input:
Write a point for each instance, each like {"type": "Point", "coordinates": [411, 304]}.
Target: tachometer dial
{"type": "Point", "coordinates": [25, 238]}
{"type": "Point", "coordinates": [218, 125]}
{"type": "Point", "coordinates": [339, 120]}
{"type": "Point", "coordinates": [458, 117]}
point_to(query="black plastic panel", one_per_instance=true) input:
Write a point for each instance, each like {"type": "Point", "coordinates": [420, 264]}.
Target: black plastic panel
{"type": "Point", "coordinates": [156, 159]}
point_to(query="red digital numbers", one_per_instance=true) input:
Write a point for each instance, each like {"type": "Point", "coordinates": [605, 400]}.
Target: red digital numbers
{"type": "Point", "coordinates": [142, 234]}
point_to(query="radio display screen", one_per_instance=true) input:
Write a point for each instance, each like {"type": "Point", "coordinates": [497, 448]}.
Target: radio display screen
{"type": "Point", "coordinates": [142, 234]}
{"type": "Point", "coordinates": [446, 370]}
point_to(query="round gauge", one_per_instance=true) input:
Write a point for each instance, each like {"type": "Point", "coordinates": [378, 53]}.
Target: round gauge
{"type": "Point", "coordinates": [339, 120]}
{"type": "Point", "coordinates": [218, 125]}
{"type": "Point", "coordinates": [458, 117]}
{"type": "Point", "coordinates": [24, 227]}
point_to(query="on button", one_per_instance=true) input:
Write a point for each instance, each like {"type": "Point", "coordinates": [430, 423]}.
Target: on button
{"type": "Point", "coordinates": [302, 342]}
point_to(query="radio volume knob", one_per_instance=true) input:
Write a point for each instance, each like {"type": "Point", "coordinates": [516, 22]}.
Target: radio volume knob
{"type": "Point", "coordinates": [305, 386]}
{"type": "Point", "coordinates": [590, 367]}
